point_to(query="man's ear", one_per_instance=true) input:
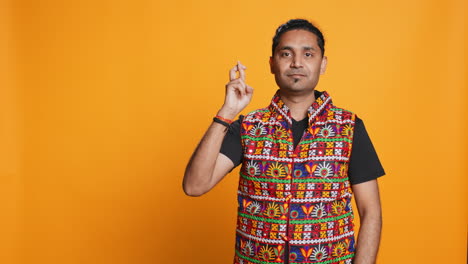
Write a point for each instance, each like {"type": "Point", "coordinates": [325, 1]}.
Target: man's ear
{"type": "Point", "coordinates": [271, 64]}
{"type": "Point", "coordinates": [323, 65]}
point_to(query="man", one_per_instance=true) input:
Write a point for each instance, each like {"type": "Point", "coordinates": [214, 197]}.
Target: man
{"type": "Point", "coordinates": [302, 159]}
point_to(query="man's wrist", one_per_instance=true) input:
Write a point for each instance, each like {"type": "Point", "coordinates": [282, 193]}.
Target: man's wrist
{"type": "Point", "coordinates": [227, 114]}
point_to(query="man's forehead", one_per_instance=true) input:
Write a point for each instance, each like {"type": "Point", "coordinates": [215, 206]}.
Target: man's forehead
{"type": "Point", "coordinates": [298, 38]}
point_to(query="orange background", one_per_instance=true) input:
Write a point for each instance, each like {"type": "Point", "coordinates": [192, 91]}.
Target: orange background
{"type": "Point", "coordinates": [103, 102]}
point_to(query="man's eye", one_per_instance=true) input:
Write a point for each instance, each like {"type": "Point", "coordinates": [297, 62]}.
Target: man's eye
{"type": "Point", "coordinates": [285, 54]}
{"type": "Point", "coordinates": [308, 54]}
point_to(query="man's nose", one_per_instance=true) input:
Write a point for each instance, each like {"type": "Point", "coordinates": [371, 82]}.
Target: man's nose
{"type": "Point", "coordinates": [296, 61]}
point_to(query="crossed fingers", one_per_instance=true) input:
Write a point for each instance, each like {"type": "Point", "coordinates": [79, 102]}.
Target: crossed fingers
{"type": "Point", "coordinates": [238, 68]}
{"type": "Point", "coordinates": [237, 83]}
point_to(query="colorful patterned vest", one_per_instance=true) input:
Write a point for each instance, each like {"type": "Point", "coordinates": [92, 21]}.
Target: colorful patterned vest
{"type": "Point", "coordinates": [295, 201]}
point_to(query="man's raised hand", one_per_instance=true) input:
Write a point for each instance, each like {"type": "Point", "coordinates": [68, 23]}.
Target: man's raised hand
{"type": "Point", "coordinates": [238, 93]}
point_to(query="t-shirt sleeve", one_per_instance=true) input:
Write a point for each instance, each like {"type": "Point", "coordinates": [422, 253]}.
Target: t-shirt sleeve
{"type": "Point", "coordinates": [232, 146]}
{"type": "Point", "coordinates": [364, 164]}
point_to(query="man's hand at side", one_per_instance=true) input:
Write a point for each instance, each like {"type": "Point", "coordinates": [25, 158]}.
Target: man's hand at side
{"type": "Point", "coordinates": [368, 204]}
{"type": "Point", "coordinates": [207, 166]}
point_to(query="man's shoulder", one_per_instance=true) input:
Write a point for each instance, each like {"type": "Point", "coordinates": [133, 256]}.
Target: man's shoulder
{"type": "Point", "coordinates": [338, 109]}
{"type": "Point", "coordinates": [257, 114]}
{"type": "Point", "coordinates": [342, 112]}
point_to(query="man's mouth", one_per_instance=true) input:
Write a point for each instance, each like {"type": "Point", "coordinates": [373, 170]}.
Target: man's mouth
{"type": "Point", "coordinates": [296, 75]}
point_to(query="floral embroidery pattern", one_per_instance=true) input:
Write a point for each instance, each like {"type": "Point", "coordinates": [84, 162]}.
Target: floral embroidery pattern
{"type": "Point", "coordinates": [295, 202]}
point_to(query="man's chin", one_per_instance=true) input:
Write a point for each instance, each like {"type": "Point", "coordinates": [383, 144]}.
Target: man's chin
{"type": "Point", "coordinates": [297, 89]}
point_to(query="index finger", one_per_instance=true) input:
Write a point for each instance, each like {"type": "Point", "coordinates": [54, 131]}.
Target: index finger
{"type": "Point", "coordinates": [241, 67]}
{"type": "Point", "coordinates": [232, 73]}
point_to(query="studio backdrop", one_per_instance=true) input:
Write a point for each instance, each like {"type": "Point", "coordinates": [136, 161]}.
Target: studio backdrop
{"type": "Point", "coordinates": [103, 102]}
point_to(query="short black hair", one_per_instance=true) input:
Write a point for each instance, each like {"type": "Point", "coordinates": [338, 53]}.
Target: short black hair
{"type": "Point", "coordinates": [294, 24]}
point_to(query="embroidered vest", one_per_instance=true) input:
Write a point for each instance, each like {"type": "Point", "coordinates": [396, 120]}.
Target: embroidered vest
{"type": "Point", "coordinates": [294, 204]}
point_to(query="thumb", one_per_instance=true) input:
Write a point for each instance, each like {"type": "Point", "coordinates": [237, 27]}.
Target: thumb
{"type": "Point", "coordinates": [249, 89]}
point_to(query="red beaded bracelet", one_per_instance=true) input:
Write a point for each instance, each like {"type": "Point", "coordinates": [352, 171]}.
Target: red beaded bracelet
{"type": "Point", "coordinates": [224, 119]}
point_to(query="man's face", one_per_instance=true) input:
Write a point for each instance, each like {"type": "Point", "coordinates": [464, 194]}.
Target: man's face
{"type": "Point", "coordinates": [297, 62]}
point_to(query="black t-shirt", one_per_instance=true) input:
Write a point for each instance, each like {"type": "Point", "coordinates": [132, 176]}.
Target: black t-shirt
{"type": "Point", "coordinates": [364, 164]}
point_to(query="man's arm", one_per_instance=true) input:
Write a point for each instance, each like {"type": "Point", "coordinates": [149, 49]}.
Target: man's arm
{"type": "Point", "coordinates": [368, 203]}
{"type": "Point", "coordinates": [207, 166]}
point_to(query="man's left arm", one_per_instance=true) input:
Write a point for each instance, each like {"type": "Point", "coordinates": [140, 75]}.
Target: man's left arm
{"type": "Point", "coordinates": [368, 204]}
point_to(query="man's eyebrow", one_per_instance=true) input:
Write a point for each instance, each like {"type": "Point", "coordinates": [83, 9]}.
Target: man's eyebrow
{"type": "Point", "coordinates": [304, 48]}
{"type": "Point", "coordinates": [286, 48]}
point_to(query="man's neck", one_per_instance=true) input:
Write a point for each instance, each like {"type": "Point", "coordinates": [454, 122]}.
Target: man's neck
{"type": "Point", "coordinates": [298, 104]}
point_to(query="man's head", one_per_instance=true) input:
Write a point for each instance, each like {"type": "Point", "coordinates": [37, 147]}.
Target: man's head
{"type": "Point", "coordinates": [298, 24]}
{"type": "Point", "coordinates": [297, 59]}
